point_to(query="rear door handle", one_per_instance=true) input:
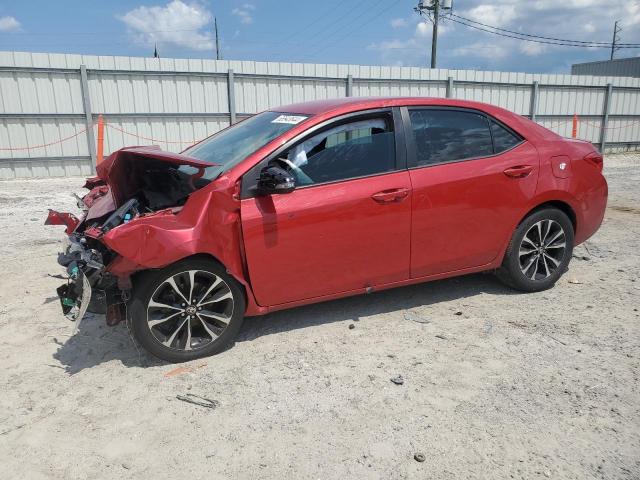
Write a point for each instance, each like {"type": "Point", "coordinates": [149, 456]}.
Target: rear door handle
{"type": "Point", "coordinates": [392, 195]}
{"type": "Point", "coordinates": [519, 171]}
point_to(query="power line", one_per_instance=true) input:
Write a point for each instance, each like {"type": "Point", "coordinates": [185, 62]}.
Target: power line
{"type": "Point", "coordinates": [319, 38]}
{"type": "Point", "coordinates": [535, 40]}
{"type": "Point", "coordinates": [97, 33]}
{"type": "Point", "coordinates": [349, 33]}
{"type": "Point", "coordinates": [319, 19]}
{"type": "Point", "coordinates": [607, 44]}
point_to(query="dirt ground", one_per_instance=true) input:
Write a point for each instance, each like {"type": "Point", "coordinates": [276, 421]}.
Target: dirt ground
{"type": "Point", "coordinates": [496, 384]}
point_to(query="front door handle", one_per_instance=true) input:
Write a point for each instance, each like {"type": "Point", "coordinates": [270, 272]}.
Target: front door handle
{"type": "Point", "coordinates": [393, 195]}
{"type": "Point", "coordinates": [519, 171]}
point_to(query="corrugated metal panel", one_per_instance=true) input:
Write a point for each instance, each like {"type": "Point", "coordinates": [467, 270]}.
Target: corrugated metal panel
{"type": "Point", "coordinates": [514, 98]}
{"type": "Point", "coordinates": [625, 102]}
{"type": "Point", "coordinates": [619, 67]}
{"type": "Point", "coordinates": [623, 130]}
{"type": "Point", "coordinates": [173, 102]}
{"type": "Point", "coordinates": [23, 132]}
{"type": "Point", "coordinates": [261, 93]}
{"type": "Point", "coordinates": [567, 101]}
{"type": "Point", "coordinates": [172, 134]}
{"type": "Point", "coordinates": [364, 88]}
{"type": "Point", "coordinates": [46, 167]}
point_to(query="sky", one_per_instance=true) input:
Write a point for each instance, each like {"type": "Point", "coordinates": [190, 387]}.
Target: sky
{"type": "Point", "coordinates": [365, 32]}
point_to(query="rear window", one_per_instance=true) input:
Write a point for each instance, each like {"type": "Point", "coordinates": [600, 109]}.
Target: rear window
{"type": "Point", "coordinates": [503, 139]}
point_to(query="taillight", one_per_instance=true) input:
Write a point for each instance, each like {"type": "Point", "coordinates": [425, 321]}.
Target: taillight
{"type": "Point", "coordinates": [595, 159]}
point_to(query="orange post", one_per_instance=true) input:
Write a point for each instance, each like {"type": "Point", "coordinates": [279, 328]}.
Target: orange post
{"type": "Point", "coordinates": [574, 130]}
{"type": "Point", "coordinates": [100, 147]}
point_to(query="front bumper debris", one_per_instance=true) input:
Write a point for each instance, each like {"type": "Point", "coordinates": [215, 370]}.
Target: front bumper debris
{"type": "Point", "coordinates": [69, 220]}
{"type": "Point", "coordinates": [75, 297]}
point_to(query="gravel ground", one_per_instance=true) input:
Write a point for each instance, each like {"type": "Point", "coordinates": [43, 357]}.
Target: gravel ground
{"type": "Point", "coordinates": [496, 384]}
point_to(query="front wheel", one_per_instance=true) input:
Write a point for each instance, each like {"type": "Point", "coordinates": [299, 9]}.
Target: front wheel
{"type": "Point", "coordinates": [539, 251]}
{"type": "Point", "coordinates": [191, 309]}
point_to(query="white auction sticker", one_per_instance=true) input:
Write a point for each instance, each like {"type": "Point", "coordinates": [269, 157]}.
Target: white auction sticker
{"type": "Point", "coordinates": [291, 119]}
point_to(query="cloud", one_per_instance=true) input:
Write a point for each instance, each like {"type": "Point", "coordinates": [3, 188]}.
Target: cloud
{"type": "Point", "coordinates": [495, 15]}
{"type": "Point", "coordinates": [553, 4]}
{"type": "Point", "coordinates": [425, 29]}
{"type": "Point", "coordinates": [632, 11]}
{"type": "Point", "coordinates": [9, 24]}
{"type": "Point", "coordinates": [399, 52]}
{"type": "Point", "coordinates": [177, 23]}
{"type": "Point", "coordinates": [532, 49]}
{"type": "Point", "coordinates": [484, 50]}
{"type": "Point", "coordinates": [399, 23]}
{"type": "Point", "coordinates": [244, 13]}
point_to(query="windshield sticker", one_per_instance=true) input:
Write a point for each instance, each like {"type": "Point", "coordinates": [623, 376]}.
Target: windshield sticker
{"type": "Point", "coordinates": [290, 119]}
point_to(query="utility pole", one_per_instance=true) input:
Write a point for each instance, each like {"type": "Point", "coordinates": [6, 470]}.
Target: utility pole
{"type": "Point", "coordinates": [616, 38]}
{"type": "Point", "coordinates": [434, 37]}
{"type": "Point", "coordinates": [432, 8]}
{"type": "Point", "coordinates": [215, 24]}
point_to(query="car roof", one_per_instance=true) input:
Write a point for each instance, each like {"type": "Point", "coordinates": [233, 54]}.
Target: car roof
{"type": "Point", "coordinates": [360, 103]}
{"type": "Point", "coordinates": [332, 107]}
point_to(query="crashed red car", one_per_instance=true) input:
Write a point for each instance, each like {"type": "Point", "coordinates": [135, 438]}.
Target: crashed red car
{"type": "Point", "coordinates": [322, 200]}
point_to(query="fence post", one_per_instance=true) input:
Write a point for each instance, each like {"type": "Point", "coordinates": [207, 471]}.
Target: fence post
{"type": "Point", "coordinates": [231, 90]}
{"type": "Point", "coordinates": [605, 118]}
{"type": "Point", "coordinates": [86, 103]}
{"type": "Point", "coordinates": [449, 87]}
{"type": "Point", "coordinates": [349, 85]}
{"type": "Point", "coordinates": [534, 101]}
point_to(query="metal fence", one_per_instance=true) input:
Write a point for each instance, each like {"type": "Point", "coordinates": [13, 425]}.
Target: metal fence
{"type": "Point", "coordinates": [50, 102]}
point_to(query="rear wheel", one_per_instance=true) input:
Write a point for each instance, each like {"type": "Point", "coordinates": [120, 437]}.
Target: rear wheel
{"type": "Point", "coordinates": [539, 251]}
{"type": "Point", "coordinates": [189, 310]}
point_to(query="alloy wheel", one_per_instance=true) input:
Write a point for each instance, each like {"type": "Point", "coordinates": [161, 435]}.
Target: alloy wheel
{"type": "Point", "coordinates": [542, 249]}
{"type": "Point", "coordinates": [189, 310]}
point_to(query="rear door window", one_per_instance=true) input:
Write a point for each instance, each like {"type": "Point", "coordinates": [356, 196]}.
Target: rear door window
{"type": "Point", "coordinates": [449, 135]}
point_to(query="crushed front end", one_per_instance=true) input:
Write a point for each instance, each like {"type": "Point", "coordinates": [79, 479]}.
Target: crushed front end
{"type": "Point", "coordinates": [134, 188]}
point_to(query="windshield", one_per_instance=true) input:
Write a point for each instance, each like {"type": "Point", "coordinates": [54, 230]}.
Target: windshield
{"type": "Point", "coordinates": [230, 146]}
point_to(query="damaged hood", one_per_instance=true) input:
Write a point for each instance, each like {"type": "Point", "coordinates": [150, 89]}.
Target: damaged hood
{"type": "Point", "coordinates": [123, 169]}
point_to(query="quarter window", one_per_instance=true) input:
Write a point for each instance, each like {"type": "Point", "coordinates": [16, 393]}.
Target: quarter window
{"type": "Point", "coordinates": [449, 135]}
{"type": "Point", "coordinates": [503, 139]}
{"type": "Point", "coordinates": [355, 149]}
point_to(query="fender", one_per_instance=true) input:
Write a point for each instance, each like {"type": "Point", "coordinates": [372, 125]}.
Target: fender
{"type": "Point", "coordinates": [165, 237]}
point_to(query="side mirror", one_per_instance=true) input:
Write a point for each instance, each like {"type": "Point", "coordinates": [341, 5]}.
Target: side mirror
{"type": "Point", "coordinates": [274, 179]}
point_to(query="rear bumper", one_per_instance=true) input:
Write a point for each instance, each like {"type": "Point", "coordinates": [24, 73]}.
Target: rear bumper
{"type": "Point", "coordinates": [593, 205]}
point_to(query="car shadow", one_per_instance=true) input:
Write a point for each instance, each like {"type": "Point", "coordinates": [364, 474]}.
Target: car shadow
{"type": "Point", "coordinates": [96, 343]}
{"type": "Point", "coordinates": [362, 306]}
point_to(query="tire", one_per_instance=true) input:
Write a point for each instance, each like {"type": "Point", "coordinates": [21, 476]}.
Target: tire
{"type": "Point", "coordinates": [176, 330]}
{"type": "Point", "coordinates": [530, 265]}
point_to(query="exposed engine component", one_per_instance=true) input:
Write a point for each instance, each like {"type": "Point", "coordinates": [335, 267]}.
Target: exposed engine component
{"type": "Point", "coordinates": [124, 213]}
{"type": "Point", "coordinates": [165, 186]}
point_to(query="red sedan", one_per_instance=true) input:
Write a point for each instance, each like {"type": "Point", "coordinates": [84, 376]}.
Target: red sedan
{"type": "Point", "coordinates": [322, 200]}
